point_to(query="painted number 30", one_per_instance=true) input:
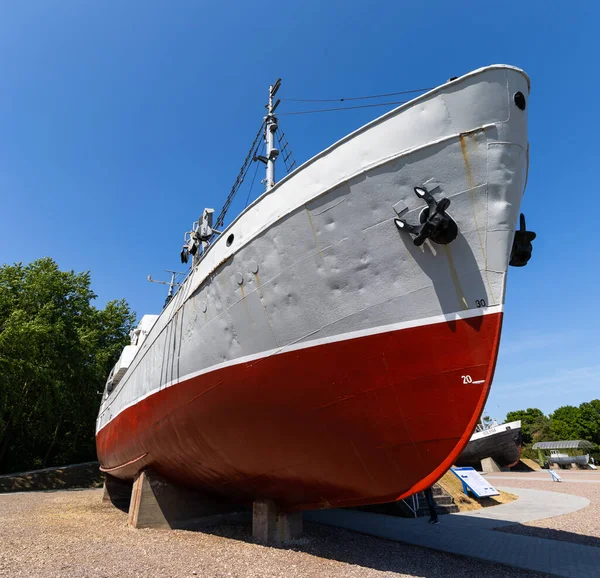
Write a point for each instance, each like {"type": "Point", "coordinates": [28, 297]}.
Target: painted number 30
{"type": "Point", "coordinates": [467, 379]}
{"type": "Point", "coordinates": [480, 303]}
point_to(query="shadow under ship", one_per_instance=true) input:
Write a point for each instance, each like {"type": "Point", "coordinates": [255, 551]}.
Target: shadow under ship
{"type": "Point", "coordinates": [335, 344]}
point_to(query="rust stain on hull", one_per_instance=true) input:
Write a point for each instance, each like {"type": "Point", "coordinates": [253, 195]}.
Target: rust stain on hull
{"type": "Point", "coordinates": [455, 280]}
{"type": "Point", "coordinates": [259, 286]}
{"type": "Point", "coordinates": [465, 153]}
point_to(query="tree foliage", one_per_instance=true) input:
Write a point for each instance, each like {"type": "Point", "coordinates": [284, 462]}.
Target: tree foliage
{"type": "Point", "coordinates": [589, 419]}
{"type": "Point", "coordinates": [533, 423]}
{"type": "Point", "coordinates": [568, 422]}
{"type": "Point", "coordinates": [56, 350]}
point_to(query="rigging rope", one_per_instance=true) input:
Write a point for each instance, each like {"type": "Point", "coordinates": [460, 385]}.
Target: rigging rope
{"type": "Point", "coordinates": [239, 180]}
{"type": "Point", "coordinates": [344, 107]}
{"type": "Point", "coordinates": [356, 97]}
{"type": "Point", "coordinates": [254, 177]}
{"type": "Point", "coordinates": [243, 171]}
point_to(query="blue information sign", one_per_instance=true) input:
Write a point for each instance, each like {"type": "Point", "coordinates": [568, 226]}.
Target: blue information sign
{"type": "Point", "coordinates": [472, 480]}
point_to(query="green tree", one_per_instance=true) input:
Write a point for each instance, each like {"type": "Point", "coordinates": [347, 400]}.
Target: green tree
{"type": "Point", "coordinates": [540, 430]}
{"type": "Point", "coordinates": [534, 424]}
{"type": "Point", "coordinates": [565, 423]}
{"type": "Point", "coordinates": [589, 421]}
{"type": "Point", "coordinates": [56, 350]}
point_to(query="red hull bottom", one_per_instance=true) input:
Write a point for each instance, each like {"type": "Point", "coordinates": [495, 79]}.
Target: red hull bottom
{"type": "Point", "coordinates": [362, 421]}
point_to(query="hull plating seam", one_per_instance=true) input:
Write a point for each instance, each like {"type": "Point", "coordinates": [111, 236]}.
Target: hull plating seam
{"type": "Point", "coordinates": [129, 463]}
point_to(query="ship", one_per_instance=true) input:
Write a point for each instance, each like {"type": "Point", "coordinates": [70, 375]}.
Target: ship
{"type": "Point", "coordinates": [335, 343]}
{"type": "Point", "coordinates": [501, 442]}
{"type": "Point", "coordinates": [564, 459]}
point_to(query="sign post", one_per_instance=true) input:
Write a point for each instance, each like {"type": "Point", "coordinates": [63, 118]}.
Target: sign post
{"type": "Point", "coordinates": [474, 482]}
{"type": "Point", "coordinates": [555, 476]}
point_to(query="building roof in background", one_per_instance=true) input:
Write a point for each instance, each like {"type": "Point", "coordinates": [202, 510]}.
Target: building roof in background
{"type": "Point", "coordinates": [564, 445]}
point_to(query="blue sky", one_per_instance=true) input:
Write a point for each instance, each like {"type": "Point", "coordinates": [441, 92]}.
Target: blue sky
{"type": "Point", "coordinates": [121, 121]}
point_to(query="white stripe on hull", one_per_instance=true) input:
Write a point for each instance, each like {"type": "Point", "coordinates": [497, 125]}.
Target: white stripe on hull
{"type": "Point", "coordinates": [315, 343]}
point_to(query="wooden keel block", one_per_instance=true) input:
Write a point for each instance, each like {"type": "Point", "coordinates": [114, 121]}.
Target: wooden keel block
{"type": "Point", "coordinates": [144, 509]}
{"type": "Point", "coordinates": [271, 525]}
{"type": "Point", "coordinates": [158, 503]}
{"type": "Point", "coordinates": [288, 526]}
{"type": "Point", "coordinates": [264, 518]}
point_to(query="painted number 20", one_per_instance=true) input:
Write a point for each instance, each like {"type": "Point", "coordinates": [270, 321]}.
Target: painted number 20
{"type": "Point", "coordinates": [467, 379]}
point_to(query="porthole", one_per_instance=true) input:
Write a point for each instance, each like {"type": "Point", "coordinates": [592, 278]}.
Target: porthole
{"type": "Point", "coordinates": [519, 99]}
{"type": "Point", "coordinates": [230, 240]}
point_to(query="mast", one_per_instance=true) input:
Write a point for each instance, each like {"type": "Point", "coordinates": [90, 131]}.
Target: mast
{"type": "Point", "coordinates": [170, 283]}
{"type": "Point", "coordinates": [271, 127]}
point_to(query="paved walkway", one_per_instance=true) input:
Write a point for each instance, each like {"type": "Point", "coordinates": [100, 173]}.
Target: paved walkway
{"type": "Point", "coordinates": [471, 533]}
{"type": "Point", "coordinates": [532, 505]}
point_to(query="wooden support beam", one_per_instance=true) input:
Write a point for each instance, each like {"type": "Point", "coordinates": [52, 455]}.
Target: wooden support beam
{"type": "Point", "coordinates": [272, 525]}
{"type": "Point", "coordinates": [288, 526]}
{"type": "Point", "coordinates": [158, 503]}
{"type": "Point", "coordinates": [264, 515]}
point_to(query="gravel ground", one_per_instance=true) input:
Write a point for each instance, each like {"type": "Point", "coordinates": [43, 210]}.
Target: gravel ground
{"type": "Point", "coordinates": [581, 527]}
{"type": "Point", "coordinates": [72, 533]}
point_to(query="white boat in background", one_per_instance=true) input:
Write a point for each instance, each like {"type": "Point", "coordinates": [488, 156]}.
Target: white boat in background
{"type": "Point", "coordinates": [562, 459]}
{"type": "Point", "coordinates": [501, 442]}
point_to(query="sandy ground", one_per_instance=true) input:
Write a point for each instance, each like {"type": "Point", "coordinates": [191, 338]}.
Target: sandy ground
{"type": "Point", "coordinates": [453, 486]}
{"type": "Point", "coordinates": [72, 533]}
{"type": "Point", "coordinates": [581, 527]}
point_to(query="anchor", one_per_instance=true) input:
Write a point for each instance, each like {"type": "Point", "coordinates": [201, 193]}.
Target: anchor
{"type": "Point", "coordinates": [521, 248]}
{"type": "Point", "coordinates": [436, 224]}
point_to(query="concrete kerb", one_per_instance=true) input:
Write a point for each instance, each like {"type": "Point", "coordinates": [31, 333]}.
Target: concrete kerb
{"type": "Point", "coordinates": [537, 478]}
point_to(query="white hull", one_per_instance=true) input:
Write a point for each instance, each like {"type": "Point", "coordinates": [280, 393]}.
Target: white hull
{"type": "Point", "coordinates": [564, 460]}
{"type": "Point", "coordinates": [513, 425]}
{"type": "Point", "coordinates": [330, 261]}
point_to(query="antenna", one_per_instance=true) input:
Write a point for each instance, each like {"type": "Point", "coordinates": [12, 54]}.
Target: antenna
{"type": "Point", "coordinates": [170, 283]}
{"type": "Point", "coordinates": [271, 127]}
{"type": "Point", "coordinates": [275, 87]}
